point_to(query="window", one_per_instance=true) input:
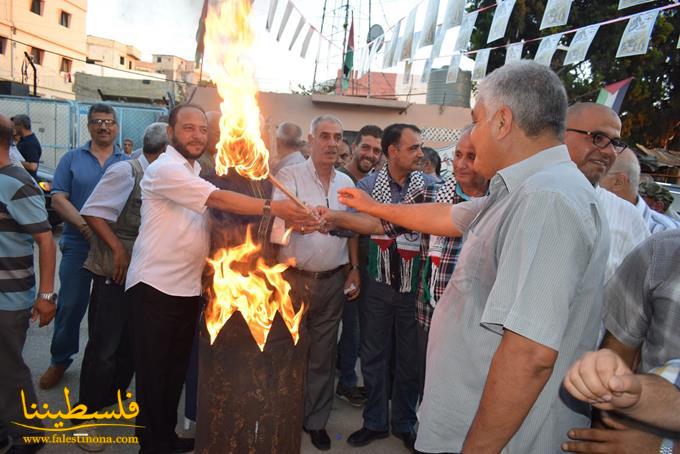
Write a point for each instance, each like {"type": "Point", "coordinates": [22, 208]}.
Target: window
{"type": "Point", "coordinates": [122, 60]}
{"type": "Point", "coordinates": [3, 45]}
{"type": "Point", "coordinates": [37, 55]}
{"type": "Point", "coordinates": [65, 65]}
{"type": "Point", "coordinates": [130, 65]}
{"type": "Point", "coordinates": [37, 7]}
{"type": "Point", "coordinates": [158, 59]}
{"type": "Point", "coordinates": [65, 19]}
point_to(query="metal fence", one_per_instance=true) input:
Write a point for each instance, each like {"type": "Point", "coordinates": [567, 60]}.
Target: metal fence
{"type": "Point", "coordinates": [62, 125]}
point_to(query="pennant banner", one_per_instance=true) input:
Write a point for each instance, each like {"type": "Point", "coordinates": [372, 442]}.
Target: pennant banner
{"type": "Point", "coordinates": [427, 34]}
{"type": "Point", "coordinates": [270, 15]}
{"type": "Point", "coordinates": [580, 44]}
{"type": "Point", "coordinates": [481, 61]}
{"type": "Point", "coordinates": [547, 49]}
{"type": "Point", "coordinates": [426, 71]}
{"type": "Point", "coordinates": [454, 14]}
{"type": "Point", "coordinates": [454, 67]}
{"type": "Point", "coordinates": [407, 45]}
{"type": "Point", "coordinates": [627, 3]}
{"type": "Point", "coordinates": [298, 29]}
{"type": "Point", "coordinates": [392, 48]}
{"type": "Point", "coordinates": [514, 52]}
{"type": "Point", "coordinates": [284, 21]}
{"type": "Point", "coordinates": [438, 41]}
{"type": "Point", "coordinates": [635, 38]}
{"type": "Point", "coordinates": [500, 20]}
{"type": "Point", "coordinates": [375, 45]}
{"type": "Point", "coordinates": [466, 27]}
{"type": "Point", "coordinates": [407, 72]}
{"type": "Point", "coordinates": [305, 43]}
{"type": "Point", "coordinates": [556, 13]}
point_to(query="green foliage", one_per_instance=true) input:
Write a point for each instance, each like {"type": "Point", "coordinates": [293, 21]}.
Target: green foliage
{"type": "Point", "coordinates": [651, 109]}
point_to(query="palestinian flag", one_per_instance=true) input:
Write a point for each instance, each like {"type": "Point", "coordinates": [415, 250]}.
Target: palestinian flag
{"type": "Point", "coordinates": [612, 95]}
{"type": "Point", "coordinates": [349, 57]}
{"type": "Point", "coordinates": [200, 34]}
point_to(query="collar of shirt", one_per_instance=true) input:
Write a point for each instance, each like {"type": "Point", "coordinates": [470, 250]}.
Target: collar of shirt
{"type": "Point", "coordinates": [117, 150]}
{"type": "Point", "coordinates": [145, 162]}
{"type": "Point", "coordinates": [171, 154]}
{"type": "Point", "coordinates": [513, 176]}
{"type": "Point", "coordinates": [309, 165]}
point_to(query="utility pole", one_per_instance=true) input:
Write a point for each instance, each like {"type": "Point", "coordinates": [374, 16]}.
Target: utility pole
{"type": "Point", "coordinates": [316, 60]}
{"type": "Point", "coordinates": [344, 39]}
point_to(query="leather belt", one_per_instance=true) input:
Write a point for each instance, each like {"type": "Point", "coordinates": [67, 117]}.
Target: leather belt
{"type": "Point", "coordinates": [317, 274]}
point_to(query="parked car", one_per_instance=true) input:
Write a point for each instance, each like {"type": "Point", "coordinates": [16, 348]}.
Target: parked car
{"type": "Point", "coordinates": [44, 178]}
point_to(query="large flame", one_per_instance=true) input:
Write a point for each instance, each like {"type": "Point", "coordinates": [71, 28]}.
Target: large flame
{"type": "Point", "coordinates": [228, 36]}
{"type": "Point", "coordinates": [258, 292]}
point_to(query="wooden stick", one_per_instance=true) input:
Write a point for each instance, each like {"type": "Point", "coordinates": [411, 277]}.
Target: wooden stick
{"type": "Point", "coordinates": [290, 195]}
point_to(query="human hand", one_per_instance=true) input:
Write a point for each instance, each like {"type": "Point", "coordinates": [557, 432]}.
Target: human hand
{"type": "Point", "coordinates": [352, 285]}
{"type": "Point", "coordinates": [616, 439]}
{"type": "Point", "coordinates": [356, 198]}
{"type": "Point", "coordinates": [293, 213]}
{"type": "Point", "coordinates": [602, 379]}
{"type": "Point", "coordinates": [326, 219]}
{"type": "Point", "coordinates": [44, 310]}
{"type": "Point", "coordinates": [121, 262]}
{"type": "Point", "coordinates": [86, 231]}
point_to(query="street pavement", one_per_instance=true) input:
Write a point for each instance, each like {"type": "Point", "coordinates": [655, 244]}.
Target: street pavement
{"type": "Point", "coordinates": [344, 419]}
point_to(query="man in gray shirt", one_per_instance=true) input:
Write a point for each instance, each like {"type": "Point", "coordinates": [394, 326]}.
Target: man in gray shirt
{"type": "Point", "coordinates": [524, 301]}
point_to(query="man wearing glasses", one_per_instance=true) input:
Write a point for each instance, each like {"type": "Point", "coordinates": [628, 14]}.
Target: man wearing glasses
{"type": "Point", "coordinates": [77, 173]}
{"type": "Point", "coordinates": [593, 137]}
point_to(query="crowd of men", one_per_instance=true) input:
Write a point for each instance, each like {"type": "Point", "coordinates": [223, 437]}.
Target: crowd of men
{"type": "Point", "coordinates": [473, 302]}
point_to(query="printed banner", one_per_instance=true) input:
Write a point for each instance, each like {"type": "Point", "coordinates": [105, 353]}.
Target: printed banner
{"type": "Point", "coordinates": [375, 45]}
{"type": "Point", "coordinates": [481, 61]}
{"type": "Point", "coordinates": [305, 43]}
{"type": "Point", "coordinates": [454, 68]}
{"type": "Point", "coordinates": [284, 21]}
{"type": "Point", "coordinates": [547, 49]}
{"type": "Point", "coordinates": [426, 71]}
{"type": "Point", "coordinates": [454, 14]}
{"type": "Point", "coordinates": [580, 44]}
{"type": "Point", "coordinates": [391, 49]}
{"type": "Point", "coordinates": [556, 13]}
{"type": "Point", "coordinates": [407, 72]}
{"type": "Point", "coordinates": [626, 3]}
{"type": "Point", "coordinates": [500, 19]}
{"type": "Point", "coordinates": [427, 34]}
{"type": "Point", "coordinates": [635, 38]}
{"type": "Point", "coordinates": [407, 49]}
{"type": "Point", "coordinates": [514, 52]}
{"type": "Point", "coordinates": [298, 29]}
{"type": "Point", "coordinates": [465, 31]}
{"type": "Point", "coordinates": [270, 15]}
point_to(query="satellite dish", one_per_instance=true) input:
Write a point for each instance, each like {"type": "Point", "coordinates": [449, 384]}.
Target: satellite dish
{"type": "Point", "coordinates": [375, 31]}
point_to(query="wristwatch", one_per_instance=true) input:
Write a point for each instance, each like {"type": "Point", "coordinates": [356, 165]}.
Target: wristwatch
{"type": "Point", "coordinates": [354, 267]}
{"type": "Point", "coordinates": [267, 209]}
{"type": "Point", "coordinates": [52, 296]}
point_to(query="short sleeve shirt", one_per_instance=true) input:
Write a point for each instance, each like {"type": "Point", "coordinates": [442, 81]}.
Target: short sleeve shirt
{"type": "Point", "coordinates": [532, 262]}
{"type": "Point", "coordinates": [22, 214]}
{"type": "Point", "coordinates": [77, 174]}
{"type": "Point", "coordinates": [30, 149]}
{"type": "Point", "coordinates": [642, 300]}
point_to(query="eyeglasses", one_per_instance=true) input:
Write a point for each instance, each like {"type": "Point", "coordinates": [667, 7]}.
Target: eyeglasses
{"type": "Point", "coordinates": [601, 140]}
{"type": "Point", "coordinates": [100, 123]}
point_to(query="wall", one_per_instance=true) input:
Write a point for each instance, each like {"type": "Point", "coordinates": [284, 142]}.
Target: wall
{"type": "Point", "coordinates": [44, 32]}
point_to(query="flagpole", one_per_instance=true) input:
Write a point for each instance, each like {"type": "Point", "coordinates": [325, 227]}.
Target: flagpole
{"type": "Point", "coordinates": [344, 39]}
{"type": "Point", "coordinates": [316, 60]}
{"type": "Point", "coordinates": [369, 50]}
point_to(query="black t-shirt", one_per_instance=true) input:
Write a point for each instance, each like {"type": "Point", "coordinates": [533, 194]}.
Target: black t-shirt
{"type": "Point", "coordinates": [30, 149]}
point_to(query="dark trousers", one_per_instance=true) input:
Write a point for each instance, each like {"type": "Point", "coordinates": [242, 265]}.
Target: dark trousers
{"type": "Point", "coordinates": [348, 345]}
{"type": "Point", "coordinates": [15, 376]}
{"type": "Point", "coordinates": [324, 299]}
{"type": "Point", "coordinates": [108, 363]}
{"type": "Point", "coordinates": [422, 356]}
{"type": "Point", "coordinates": [383, 310]}
{"type": "Point", "coordinates": [163, 331]}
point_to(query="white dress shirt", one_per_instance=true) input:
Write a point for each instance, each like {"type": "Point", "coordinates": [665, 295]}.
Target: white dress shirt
{"type": "Point", "coordinates": [313, 251]}
{"type": "Point", "coordinates": [173, 243]}
{"type": "Point", "coordinates": [112, 192]}
{"type": "Point", "coordinates": [626, 226]}
{"type": "Point", "coordinates": [656, 222]}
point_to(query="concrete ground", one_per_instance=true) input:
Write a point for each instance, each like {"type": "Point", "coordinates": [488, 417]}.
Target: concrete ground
{"type": "Point", "coordinates": [344, 419]}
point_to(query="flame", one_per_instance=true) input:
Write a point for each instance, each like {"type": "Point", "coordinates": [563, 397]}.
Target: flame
{"type": "Point", "coordinates": [258, 294]}
{"type": "Point", "coordinates": [228, 36]}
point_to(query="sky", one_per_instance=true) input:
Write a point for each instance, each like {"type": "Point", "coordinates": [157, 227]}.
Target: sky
{"type": "Point", "coordinates": [169, 27]}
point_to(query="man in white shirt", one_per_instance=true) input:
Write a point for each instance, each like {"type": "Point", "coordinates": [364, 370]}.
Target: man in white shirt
{"type": "Point", "coordinates": [593, 137]}
{"type": "Point", "coordinates": [320, 278]}
{"type": "Point", "coordinates": [113, 213]}
{"type": "Point", "coordinates": [164, 277]}
{"type": "Point", "coordinates": [288, 144]}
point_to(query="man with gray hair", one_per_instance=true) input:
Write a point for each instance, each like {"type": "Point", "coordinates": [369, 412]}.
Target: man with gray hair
{"type": "Point", "coordinates": [288, 144]}
{"type": "Point", "coordinates": [113, 213]}
{"type": "Point", "coordinates": [524, 300]}
{"type": "Point", "coordinates": [623, 179]}
{"type": "Point", "coordinates": [326, 271]}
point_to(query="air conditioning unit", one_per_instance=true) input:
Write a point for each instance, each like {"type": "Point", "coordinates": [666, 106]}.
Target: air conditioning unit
{"type": "Point", "coordinates": [8, 87]}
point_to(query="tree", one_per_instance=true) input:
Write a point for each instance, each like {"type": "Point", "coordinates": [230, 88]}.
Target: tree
{"type": "Point", "coordinates": [651, 110]}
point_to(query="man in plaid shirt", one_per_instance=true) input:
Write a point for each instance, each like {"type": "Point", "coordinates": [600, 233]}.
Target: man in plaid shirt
{"type": "Point", "coordinates": [439, 255]}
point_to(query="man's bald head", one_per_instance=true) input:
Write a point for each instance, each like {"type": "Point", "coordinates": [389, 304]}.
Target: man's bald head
{"type": "Point", "coordinates": [213, 118]}
{"type": "Point", "coordinates": [587, 108]}
{"type": "Point", "coordinates": [623, 178]}
{"type": "Point", "coordinates": [288, 138]}
{"type": "Point", "coordinates": [6, 130]}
